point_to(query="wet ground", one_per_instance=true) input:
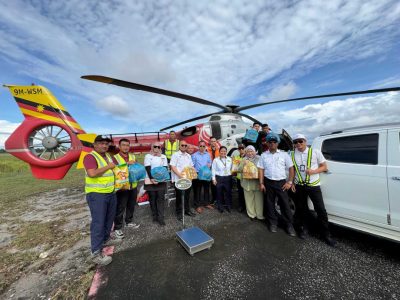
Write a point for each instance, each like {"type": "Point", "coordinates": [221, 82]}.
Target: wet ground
{"type": "Point", "coordinates": [248, 262]}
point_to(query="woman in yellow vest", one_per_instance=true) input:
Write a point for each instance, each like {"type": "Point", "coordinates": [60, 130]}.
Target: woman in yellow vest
{"type": "Point", "coordinates": [100, 196]}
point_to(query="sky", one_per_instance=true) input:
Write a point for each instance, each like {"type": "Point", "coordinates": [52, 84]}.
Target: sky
{"type": "Point", "coordinates": [230, 52]}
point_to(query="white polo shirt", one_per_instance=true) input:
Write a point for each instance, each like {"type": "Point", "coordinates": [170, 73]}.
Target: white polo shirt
{"type": "Point", "coordinates": [221, 167]}
{"type": "Point", "coordinates": [317, 158]}
{"type": "Point", "coordinates": [275, 164]}
{"type": "Point", "coordinates": [155, 161]}
{"type": "Point", "coordinates": [180, 160]}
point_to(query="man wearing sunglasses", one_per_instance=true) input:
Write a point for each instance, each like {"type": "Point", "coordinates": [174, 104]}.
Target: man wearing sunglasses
{"type": "Point", "coordinates": [308, 163]}
{"type": "Point", "coordinates": [179, 161]}
{"type": "Point", "coordinates": [272, 168]}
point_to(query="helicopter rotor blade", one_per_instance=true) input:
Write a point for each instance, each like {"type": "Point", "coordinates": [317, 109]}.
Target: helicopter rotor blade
{"type": "Point", "coordinates": [150, 89]}
{"type": "Point", "coordinates": [248, 117]}
{"type": "Point", "coordinates": [190, 120]}
{"type": "Point", "coordinates": [392, 89]}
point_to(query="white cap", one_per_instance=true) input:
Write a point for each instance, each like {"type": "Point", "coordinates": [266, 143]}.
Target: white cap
{"type": "Point", "coordinates": [299, 136]}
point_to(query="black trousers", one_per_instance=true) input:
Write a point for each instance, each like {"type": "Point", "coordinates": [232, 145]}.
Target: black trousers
{"type": "Point", "coordinates": [273, 191]}
{"type": "Point", "coordinates": [157, 204]}
{"type": "Point", "coordinates": [126, 201]}
{"type": "Point", "coordinates": [302, 211]}
{"type": "Point", "coordinates": [198, 186]}
{"type": "Point", "coordinates": [213, 193]}
{"type": "Point", "coordinates": [224, 191]}
{"type": "Point", "coordinates": [178, 201]}
{"type": "Point", "coordinates": [242, 203]}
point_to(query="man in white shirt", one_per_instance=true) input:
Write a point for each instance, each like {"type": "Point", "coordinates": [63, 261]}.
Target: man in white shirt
{"type": "Point", "coordinates": [179, 161]}
{"type": "Point", "coordinates": [272, 168]}
{"type": "Point", "coordinates": [308, 163]}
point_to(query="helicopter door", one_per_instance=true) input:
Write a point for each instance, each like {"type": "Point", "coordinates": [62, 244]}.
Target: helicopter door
{"type": "Point", "coordinates": [286, 141]}
{"type": "Point", "coordinates": [216, 130]}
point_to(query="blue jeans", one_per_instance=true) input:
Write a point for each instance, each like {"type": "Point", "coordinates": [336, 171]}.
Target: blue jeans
{"type": "Point", "coordinates": [102, 209]}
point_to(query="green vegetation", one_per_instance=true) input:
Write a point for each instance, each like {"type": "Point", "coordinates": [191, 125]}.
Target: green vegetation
{"type": "Point", "coordinates": [18, 183]}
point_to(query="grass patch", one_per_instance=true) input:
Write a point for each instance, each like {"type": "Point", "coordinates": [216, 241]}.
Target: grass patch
{"type": "Point", "coordinates": [74, 289]}
{"type": "Point", "coordinates": [12, 266]}
{"type": "Point", "coordinates": [18, 184]}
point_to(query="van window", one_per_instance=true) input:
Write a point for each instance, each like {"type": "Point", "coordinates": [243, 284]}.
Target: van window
{"type": "Point", "coordinates": [359, 149]}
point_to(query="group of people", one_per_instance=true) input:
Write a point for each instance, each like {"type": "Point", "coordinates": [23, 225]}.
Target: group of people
{"type": "Point", "coordinates": [274, 175]}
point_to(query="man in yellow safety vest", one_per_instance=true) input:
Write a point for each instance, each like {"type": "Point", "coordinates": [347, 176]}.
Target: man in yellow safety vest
{"type": "Point", "coordinates": [308, 163]}
{"type": "Point", "coordinates": [171, 145]}
{"type": "Point", "coordinates": [126, 199]}
{"type": "Point", "coordinates": [100, 196]}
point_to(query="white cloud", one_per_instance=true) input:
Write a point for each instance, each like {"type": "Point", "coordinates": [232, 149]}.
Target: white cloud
{"type": "Point", "coordinates": [114, 105]}
{"type": "Point", "coordinates": [6, 128]}
{"type": "Point", "coordinates": [280, 92]}
{"type": "Point", "coordinates": [314, 119]}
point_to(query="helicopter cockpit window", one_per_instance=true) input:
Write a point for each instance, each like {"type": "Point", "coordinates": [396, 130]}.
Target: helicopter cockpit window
{"type": "Point", "coordinates": [215, 118]}
{"type": "Point", "coordinates": [233, 126]}
{"type": "Point", "coordinates": [189, 131]}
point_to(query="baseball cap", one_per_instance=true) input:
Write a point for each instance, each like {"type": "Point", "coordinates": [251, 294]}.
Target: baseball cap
{"type": "Point", "coordinates": [299, 136]}
{"type": "Point", "coordinates": [101, 138]}
{"type": "Point", "coordinates": [273, 137]}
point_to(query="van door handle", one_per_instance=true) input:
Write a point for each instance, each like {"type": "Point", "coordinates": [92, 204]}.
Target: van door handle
{"type": "Point", "coordinates": [396, 178]}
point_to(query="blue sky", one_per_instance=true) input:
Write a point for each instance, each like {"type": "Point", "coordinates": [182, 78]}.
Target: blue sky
{"type": "Point", "coordinates": [239, 52]}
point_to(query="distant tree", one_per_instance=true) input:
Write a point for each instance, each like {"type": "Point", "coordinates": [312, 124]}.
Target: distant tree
{"type": "Point", "coordinates": [2, 150]}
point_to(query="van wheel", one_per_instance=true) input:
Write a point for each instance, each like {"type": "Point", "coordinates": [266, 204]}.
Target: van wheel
{"type": "Point", "coordinates": [291, 205]}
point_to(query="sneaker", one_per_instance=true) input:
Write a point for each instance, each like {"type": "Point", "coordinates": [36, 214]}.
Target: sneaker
{"type": "Point", "coordinates": [291, 231]}
{"type": "Point", "coordinates": [100, 259]}
{"type": "Point", "coordinates": [119, 234]}
{"type": "Point", "coordinates": [133, 225]}
{"type": "Point", "coordinates": [161, 222]}
{"type": "Point", "coordinates": [273, 228]}
{"type": "Point", "coordinates": [113, 242]}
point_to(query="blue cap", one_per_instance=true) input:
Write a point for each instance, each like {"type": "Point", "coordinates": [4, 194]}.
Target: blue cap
{"type": "Point", "coordinates": [272, 136]}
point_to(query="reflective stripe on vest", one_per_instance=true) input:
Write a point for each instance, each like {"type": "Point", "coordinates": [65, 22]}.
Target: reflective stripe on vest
{"type": "Point", "coordinates": [103, 184]}
{"type": "Point", "coordinates": [170, 148]}
{"type": "Point", "coordinates": [299, 177]}
{"type": "Point", "coordinates": [122, 161]}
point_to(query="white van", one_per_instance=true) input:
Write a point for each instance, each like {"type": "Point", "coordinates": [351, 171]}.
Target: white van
{"type": "Point", "coordinates": [361, 188]}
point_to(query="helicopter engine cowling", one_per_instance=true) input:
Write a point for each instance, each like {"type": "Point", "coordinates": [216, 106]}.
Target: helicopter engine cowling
{"type": "Point", "coordinates": [49, 148]}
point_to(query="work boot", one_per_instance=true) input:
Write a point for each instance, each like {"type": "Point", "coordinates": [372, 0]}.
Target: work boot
{"type": "Point", "coordinates": [100, 259]}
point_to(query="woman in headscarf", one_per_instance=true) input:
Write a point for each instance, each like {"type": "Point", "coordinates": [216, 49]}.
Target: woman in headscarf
{"type": "Point", "coordinates": [252, 193]}
{"type": "Point", "coordinates": [156, 189]}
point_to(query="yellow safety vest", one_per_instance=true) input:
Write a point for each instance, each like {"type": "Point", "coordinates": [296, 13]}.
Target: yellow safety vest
{"type": "Point", "coordinates": [170, 148]}
{"type": "Point", "coordinates": [103, 184]}
{"type": "Point", "coordinates": [300, 180]}
{"type": "Point", "coordinates": [121, 161]}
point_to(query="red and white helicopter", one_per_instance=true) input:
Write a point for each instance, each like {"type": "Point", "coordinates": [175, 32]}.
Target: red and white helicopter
{"type": "Point", "coordinates": [50, 140]}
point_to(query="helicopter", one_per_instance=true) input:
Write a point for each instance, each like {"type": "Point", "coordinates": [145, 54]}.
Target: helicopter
{"type": "Point", "coordinates": [50, 140]}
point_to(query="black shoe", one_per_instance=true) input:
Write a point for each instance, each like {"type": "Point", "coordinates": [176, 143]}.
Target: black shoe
{"type": "Point", "coordinates": [291, 231]}
{"type": "Point", "coordinates": [302, 234]}
{"type": "Point", "coordinates": [273, 228]}
{"type": "Point", "coordinates": [240, 209]}
{"type": "Point", "coordinates": [252, 219]}
{"type": "Point", "coordinates": [190, 214]}
{"type": "Point", "coordinates": [330, 241]}
{"type": "Point", "coordinates": [179, 218]}
{"type": "Point", "coordinates": [155, 220]}
{"type": "Point", "coordinates": [161, 222]}
{"type": "Point", "coordinates": [220, 210]}
{"type": "Point", "coordinates": [228, 210]}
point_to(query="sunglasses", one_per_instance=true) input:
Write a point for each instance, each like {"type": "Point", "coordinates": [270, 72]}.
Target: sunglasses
{"type": "Point", "coordinates": [157, 147]}
{"type": "Point", "coordinates": [298, 142]}
{"type": "Point", "coordinates": [202, 146]}
{"type": "Point", "coordinates": [183, 145]}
